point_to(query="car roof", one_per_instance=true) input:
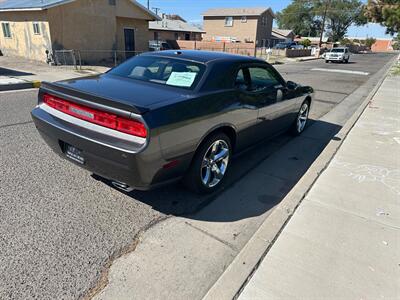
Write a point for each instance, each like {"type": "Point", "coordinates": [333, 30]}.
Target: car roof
{"type": "Point", "coordinates": [202, 56]}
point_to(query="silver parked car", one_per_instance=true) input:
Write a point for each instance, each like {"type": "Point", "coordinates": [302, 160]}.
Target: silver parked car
{"type": "Point", "coordinates": [339, 54]}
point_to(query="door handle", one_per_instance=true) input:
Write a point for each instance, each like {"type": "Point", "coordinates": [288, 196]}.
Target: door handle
{"type": "Point", "coordinates": [263, 119]}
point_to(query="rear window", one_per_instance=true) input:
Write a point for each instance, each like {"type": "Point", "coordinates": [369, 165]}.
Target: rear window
{"type": "Point", "coordinates": [337, 50]}
{"type": "Point", "coordinates": [160, 70]}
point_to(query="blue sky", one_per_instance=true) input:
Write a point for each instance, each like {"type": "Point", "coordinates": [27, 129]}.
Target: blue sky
{"type": "Point", "coordinates": [191, 11]}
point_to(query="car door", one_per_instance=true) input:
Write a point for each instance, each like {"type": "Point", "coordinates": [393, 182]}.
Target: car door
{"type": "Point", "coordinates": [276, 102]}
{"type": "Point", "coordinates": [247, 116]}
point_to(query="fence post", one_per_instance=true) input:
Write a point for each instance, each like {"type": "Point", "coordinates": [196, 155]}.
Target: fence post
{"type": "Point", "coordinates": [80, 59]}
{"type": "Point", "coordinates": [223, 47]}
{"type": "Point", "coordinates": [115, 58]}
{"type": "Point", "coordinates": [74, 59]}
{"type": "Point", "coordinates": [255, 49]}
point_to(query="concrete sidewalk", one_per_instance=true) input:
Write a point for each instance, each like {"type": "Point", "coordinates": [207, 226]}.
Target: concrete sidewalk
{"type": "Point", "coordinates": [343, 241]}
{"type": "Point", "coordinates": [20, 73]}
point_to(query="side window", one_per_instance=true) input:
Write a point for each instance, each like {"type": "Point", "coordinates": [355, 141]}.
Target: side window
{"type": "Point", "coordinates": [262, 79]}
{"type": "Point", "coordinates": [240, 81]}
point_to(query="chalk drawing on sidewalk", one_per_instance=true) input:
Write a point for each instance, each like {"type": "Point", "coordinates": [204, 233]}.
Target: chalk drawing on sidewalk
{"type": "Point", "coordinates": [363, 173]}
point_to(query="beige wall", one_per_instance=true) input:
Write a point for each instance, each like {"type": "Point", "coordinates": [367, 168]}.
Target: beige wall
{"type": "Point", "coordinates": [23, 41]}
{"type": "Point", "coordinates": [81, 25]}
{"type": "Point", "coordinates": [252, 30]}
{"type": "Point", "coordinates": [141, 33]}
{"type": "Point", "coordinates": [215, 27]}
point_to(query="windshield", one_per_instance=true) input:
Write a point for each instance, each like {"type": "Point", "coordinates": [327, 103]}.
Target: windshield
{"type": "Point", "coordinates": [281, 45]}
{"type": "Point", "coordinates": [160, 70]}
{"type": "Point", "coordinates": [337, 50]}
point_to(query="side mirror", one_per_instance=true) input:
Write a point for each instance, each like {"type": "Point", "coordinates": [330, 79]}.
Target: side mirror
{"type": "Point", "coordinates": [291, 85]}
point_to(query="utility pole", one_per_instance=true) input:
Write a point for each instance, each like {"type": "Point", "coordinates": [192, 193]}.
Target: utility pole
{"type": "Point", "coordinates": [328, 2]}
{"type": "Point", "coordinates": [156, 9]}
{"type": "Point", "coordinates": [148, 4]}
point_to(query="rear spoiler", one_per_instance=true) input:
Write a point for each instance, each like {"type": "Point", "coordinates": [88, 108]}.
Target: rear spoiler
{"type": "Point", "coordinates": [68, 93]}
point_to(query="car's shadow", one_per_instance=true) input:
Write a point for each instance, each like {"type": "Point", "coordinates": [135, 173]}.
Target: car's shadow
{"type": "Point", "coordinates": [340, 63]}
{"type": "Point", "coordinates": [11, 72]}
{"type": "Point", "coordinates": [277, 166]}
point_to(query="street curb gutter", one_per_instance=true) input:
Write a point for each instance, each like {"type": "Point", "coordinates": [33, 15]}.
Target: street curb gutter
{"type": "Point", "coordinates": [238, 273]}
{"type": "Point", "coordinates": [20, 86]}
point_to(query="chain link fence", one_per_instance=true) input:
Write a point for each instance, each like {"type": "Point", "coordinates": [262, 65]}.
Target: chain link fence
{"type": "Point", "coordinates": [79, 59]}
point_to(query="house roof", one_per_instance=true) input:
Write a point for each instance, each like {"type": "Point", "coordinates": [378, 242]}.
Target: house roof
{"type": "Point", "coordinates": [24, 5]}
{"type": "Point", "coordinates": [30, 4]}
{"type": "Point", "coordinates": [173, 25]}
{"type": "Point", "coordinates": [313, 39]}
{"type": "Point", "coordinates": [232, 12]}
{"type": "Point", "coordinates": [276, 36]}
{"type": "Point", "coordinates": [282, 32]}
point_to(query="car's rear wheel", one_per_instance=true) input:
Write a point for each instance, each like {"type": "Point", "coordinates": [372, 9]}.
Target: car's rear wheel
{"type": "Point", "coordinates": [302, 117]}
{"type": "Point", "coordinates": [209, 164]}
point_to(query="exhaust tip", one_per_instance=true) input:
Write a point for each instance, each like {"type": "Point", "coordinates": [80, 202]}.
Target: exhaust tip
{"type": "Point", "coordinates": [122, 186]}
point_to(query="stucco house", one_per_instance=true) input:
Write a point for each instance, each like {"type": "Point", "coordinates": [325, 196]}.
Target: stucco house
{"type": "Point", "coordinates": [30, 27]}
{"type": "Point", "coordinates": [251, 25]}
{"type": "Point", "coordinates": [173, 27]}
{"type": "Point", "coordinates": [281, 35]}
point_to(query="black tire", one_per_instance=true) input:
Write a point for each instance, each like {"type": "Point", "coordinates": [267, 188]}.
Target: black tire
{"type": "Point", "coordinates": [294, 129]}
{"type": "Point", "coordinates": [326, 61]}
{"type": "Point", "coordinates": [193, 177]}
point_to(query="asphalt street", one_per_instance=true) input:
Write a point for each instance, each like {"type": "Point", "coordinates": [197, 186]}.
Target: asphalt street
{"type": "Point", "coordinates": [59, 227]}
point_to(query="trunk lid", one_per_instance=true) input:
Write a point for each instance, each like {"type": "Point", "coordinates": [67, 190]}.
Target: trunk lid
{"type": "Point", "coordinates": [118, 92]}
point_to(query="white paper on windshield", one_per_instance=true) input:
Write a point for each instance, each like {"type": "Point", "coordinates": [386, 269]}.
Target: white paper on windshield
{"type": "Point", "coordinates": [183, 79]}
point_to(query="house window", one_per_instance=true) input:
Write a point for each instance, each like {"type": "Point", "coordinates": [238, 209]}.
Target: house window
{"type": "Point", "coordinates": [6, 30]}
{"type": "Point", "coordinates": [36, 28]}
{"type": "Point", "coordinates": [187, 36]}
{"type": "Point", "coordinates": [156, 35]}
{"type": "Point", "coordinates": [263, 20]}
{"type": "Point", "coordinates": [243, 19]}
{"type": "Point", "coordinates": [176, 35]}
{"type": "Point", "coordinates": [228, 21]}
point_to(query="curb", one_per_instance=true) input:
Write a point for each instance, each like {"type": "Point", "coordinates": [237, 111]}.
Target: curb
{"type": "Point", "coordinates": [20, 86]}
{"type": "Point", "coordinates": [307, 59]}
{"type": "Point", "coordinates": [230, 284]}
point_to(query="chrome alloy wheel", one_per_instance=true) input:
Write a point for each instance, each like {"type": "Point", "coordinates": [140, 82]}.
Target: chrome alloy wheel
{"type": "Point", "coordinates": [215, 163]}
{"type": "Point", "coordinates": [302, 117]}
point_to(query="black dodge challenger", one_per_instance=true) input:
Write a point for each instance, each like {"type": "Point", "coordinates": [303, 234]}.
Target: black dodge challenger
{"type": "Point", "coordinates": [164, 116]}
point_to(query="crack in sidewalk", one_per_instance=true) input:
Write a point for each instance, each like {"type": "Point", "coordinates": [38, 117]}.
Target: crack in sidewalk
{"type": "Point", "coordinates": [213, 237]}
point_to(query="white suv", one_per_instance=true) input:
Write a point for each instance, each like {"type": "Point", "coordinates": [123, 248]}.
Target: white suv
{"type": "Point", "coordinates": [341, 54]}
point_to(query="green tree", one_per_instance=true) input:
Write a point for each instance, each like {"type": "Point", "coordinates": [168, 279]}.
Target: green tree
{"type": "Point", "coordinates": [385, 12]}
{"type": "Point", "coordinates": [299, 16]}
{"type": "Point", "coordinates": [306, 43]}
{"type": "Point", "coordinates": [341, 15]}
{"type": "Point", "coordinates": [396, 42]}
{"type": "Point", "coordinates": [304, 17]}
{"type": "Point", "coordinates": [346, 42]}
{"type": "Point", "coordinates": [369, 42]}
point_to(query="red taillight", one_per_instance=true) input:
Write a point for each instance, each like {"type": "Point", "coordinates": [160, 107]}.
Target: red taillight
{"type": "Point", "coordinates": [95, 116]}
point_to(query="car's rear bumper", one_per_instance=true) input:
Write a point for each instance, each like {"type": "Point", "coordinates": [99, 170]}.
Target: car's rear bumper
{"type": "Point", "coordinates": [334, 58]}
{"type": "Point", "coordinates": [139, 166]}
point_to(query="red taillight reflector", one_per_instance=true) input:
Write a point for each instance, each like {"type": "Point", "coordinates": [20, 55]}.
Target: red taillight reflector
{"type": "Point", "coordinates": [95, 116]}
